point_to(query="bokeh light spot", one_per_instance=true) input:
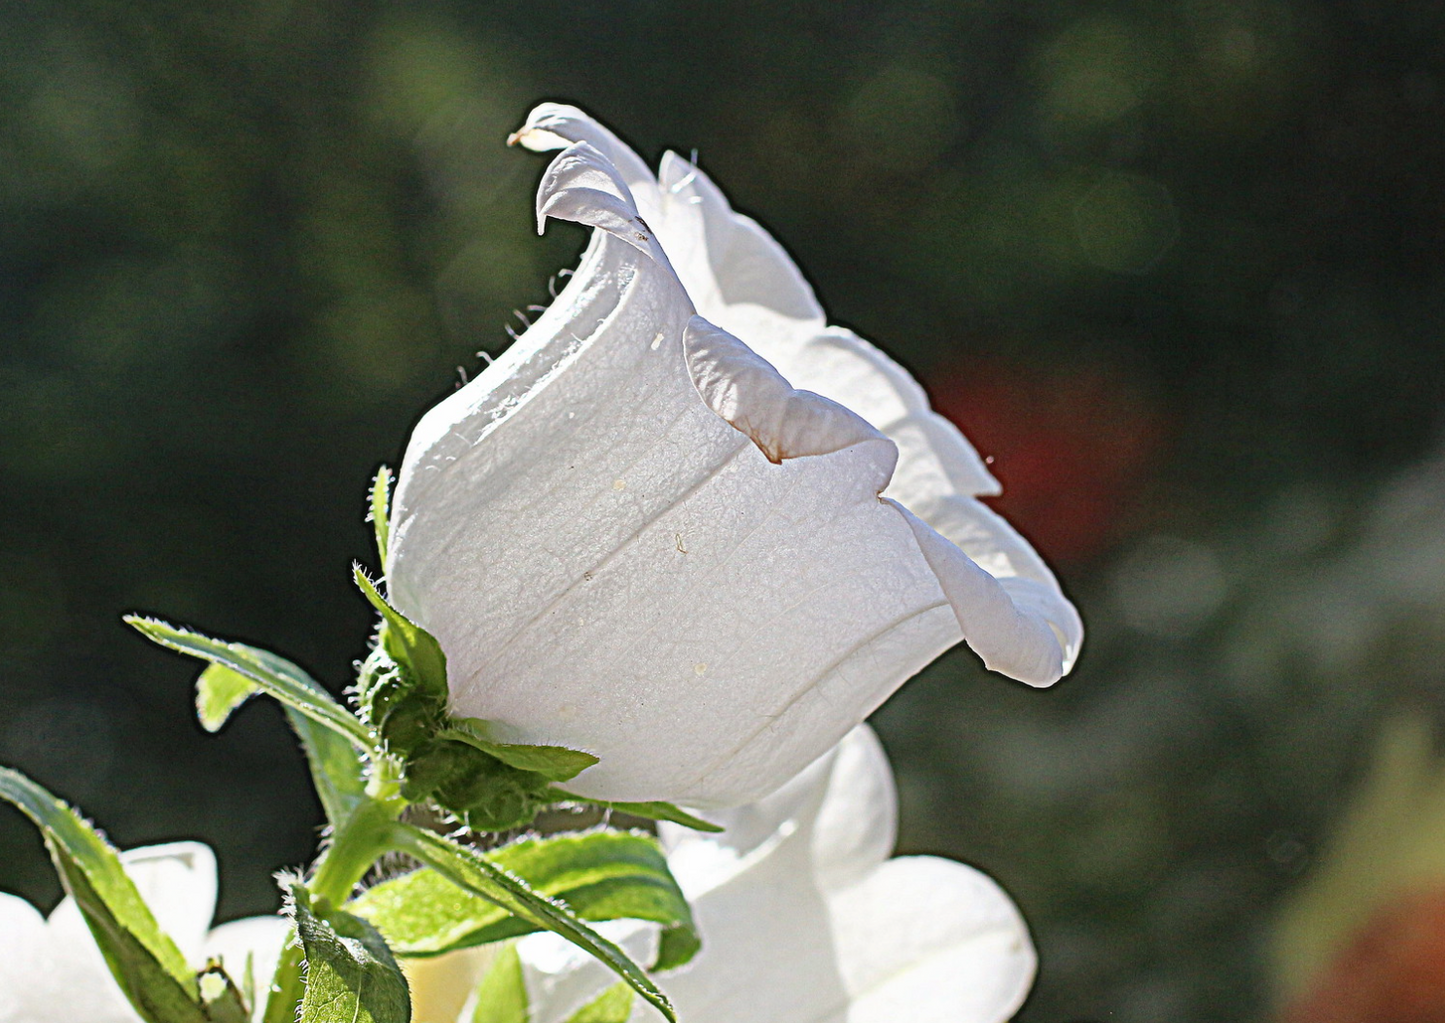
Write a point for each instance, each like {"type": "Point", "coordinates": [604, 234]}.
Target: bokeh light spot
{"type": "Point", "coordinates": [1126, 223]}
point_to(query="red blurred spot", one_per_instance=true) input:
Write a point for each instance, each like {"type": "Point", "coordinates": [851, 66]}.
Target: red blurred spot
{"type": "Point", "coordinates": [1393, 971]}
{"type": "Point", "coordinates": [1071, 448]}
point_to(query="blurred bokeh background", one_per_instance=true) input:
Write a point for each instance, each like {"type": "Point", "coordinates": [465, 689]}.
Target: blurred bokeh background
{"type": "Point", "coordinates": [1176, 266]}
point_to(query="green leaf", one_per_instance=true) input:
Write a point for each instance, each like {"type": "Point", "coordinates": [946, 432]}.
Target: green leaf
{"type": "Point", "coordinates": [351, 976]}
{"type": "Point", "coordinates": [502, 995]}
{"type": "Point", "coordinates": [274, 675]}
{"type": "Point", "coordinates": [612, 1006]}
{"type": "Point", "coordinates": [655, 810]}
{"type": "Point", "coordinates": [219, 691]}
{"type": "Point", "coordinates": [145, 962]}
{"type": "Point", "coordinates": [555, 763]}
{"type": "Point", "coordinates": [676, 947]}
{"type": "Point", "coordinates": [472, 871]}
{"type": "Point", "coordinates": [336, 770]}
{"type": "Point", "coordinates": [600, 875]}
{"type": "Point", "coordinates": [378, 515]}
{"type": "Point", "coordinates": [406, 641]}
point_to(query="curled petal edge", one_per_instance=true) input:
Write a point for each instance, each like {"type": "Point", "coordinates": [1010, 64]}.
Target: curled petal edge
{"type": "Point", "coordinates": [755, 399]}
{"type": "Point", "coordinates": [583, 185]}
{"type": "Point", "coordinates": [1016, 626]}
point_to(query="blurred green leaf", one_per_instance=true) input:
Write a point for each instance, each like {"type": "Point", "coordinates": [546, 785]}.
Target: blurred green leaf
{"type": "Point", "coordinates": [612, 1006]}
{"type": "Point", "coordinates": [502, 995]}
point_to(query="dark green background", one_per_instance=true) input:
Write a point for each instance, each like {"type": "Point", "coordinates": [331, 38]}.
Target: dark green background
{"type": "Point", "coordinates": [1177, 266]}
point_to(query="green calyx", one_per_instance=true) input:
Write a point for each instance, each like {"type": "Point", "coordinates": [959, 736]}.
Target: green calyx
{"type": "Point", "coordinates": [484, 793]}
{"type": "Point", "coordinates": [452, 762]}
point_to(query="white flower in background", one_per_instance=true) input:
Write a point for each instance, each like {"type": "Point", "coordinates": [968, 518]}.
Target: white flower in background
{"type": "Point", "coordinates": [804, 919]}
{"type": "Point", "coordinates": [633, 536]}
{"type": "Point", "coordinates": [51, 969]}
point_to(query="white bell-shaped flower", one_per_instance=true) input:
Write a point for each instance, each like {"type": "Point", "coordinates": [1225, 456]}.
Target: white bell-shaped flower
{"type": "Point", "coordinates": [805, 919]}
{"type": "Point", "coordinates": [635, 536]}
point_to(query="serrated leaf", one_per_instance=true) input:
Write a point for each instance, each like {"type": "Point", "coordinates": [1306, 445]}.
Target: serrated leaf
{"type": "Point", "coordinates": [655, 810]}
{"type": "Point", "coordinates": [502, 995]}
{"type": "Point", "coordinates": [274, 675]}
{"type": "Point", "coordinates": [379, 515]}
{"type": "Point", "coordinates": [351, 976]}
{"type": "Point", "coordinates": [144, 960]}
{"type": "Point", "coordinates": [600, 875]}
{"type": "Point", "coordinates": [407, 642]}
{"type": "Point", "coordinates": [470, 870]}
{"type": "Point", "coordinates": [612, 1006]}
{"type": "Point", "coordinates": [219, 691]}
{"type": "Point", "coordinates": [555, 763]}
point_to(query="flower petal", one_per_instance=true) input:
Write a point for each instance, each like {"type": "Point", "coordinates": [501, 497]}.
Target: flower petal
{"type": "Point", "coordinates": [753, 396]}
{"type": "Point", "coordinates": [729, 264]}
{"type": "Point", "coordinates": [178, 882]}
{"type": "Point", "coordinates": [857, 824]}
{"type": "Point", "coordinates": [702, 861]}
{"type": "Point", "coordinates": [811, 923]}
{"type": "Point", "coordinates": [755, 291]}
{"type": "Point", "coordinates": [72, 979]}
{"type": "Point", "coordinates": [934, 458]}
{"type": "Point", "coordinates": [256, 940]}
{"type": "Point", "coordinates": [767, 953]}
{"type": "Point", "coordinates": [843, 806]}
{"type": "Point", "coordinates": [24, 987]}
{"type": "Point", "coordinates": [442, 985]}
{"type": "Point", "coordinates": [927, 939]}
{"type": "Point", "coordinates": [583, 186]}
{"type": "Point", "coordinates": [740, 278]}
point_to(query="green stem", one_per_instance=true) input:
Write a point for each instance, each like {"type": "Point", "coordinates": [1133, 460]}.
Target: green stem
{"type": "Point", "coordinates": [285, 993]}
{"type": "Point", "coordinates": [362, 839]}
